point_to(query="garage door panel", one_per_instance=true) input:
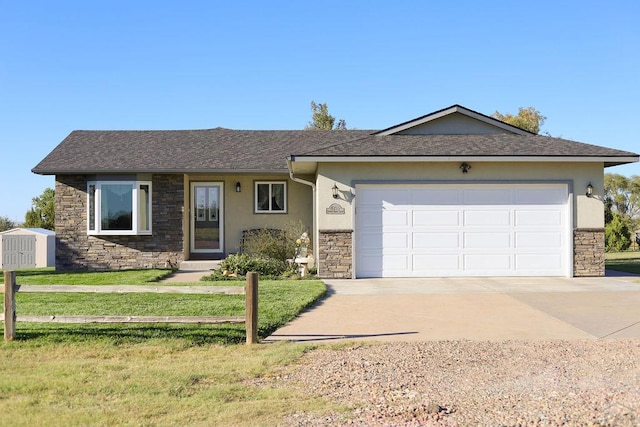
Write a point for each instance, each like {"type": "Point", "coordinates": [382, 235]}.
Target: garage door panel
{"type": "Point", "coordinates": [536, 218]}
{"type": "Point", "coordinates": [437, 218]}
{"type": "Point", "coordinates": [395, 218]}
{"type": "Point", "coordinates": [433, 262]}
{"type": "Point", "coordinates": [487, 240]}
{"type": "Point", "coordinates": [538, 262]}
{"type": "Point", "coordinates": [380, 196]}
{"type": "Point", "coordinates": [541, 240]}
{"type": "Point", "coordinates": [396, 240]}
{"type": "Point", "coordinates": [395, 262]}
{"type": "Point", "coordinates": [435, 197]}
{"type": "Point", "coordinates": [370, 240]}
{"type": "Point", "coordinates": [462, 229]}
{"type": "Point", "coordinates": [434, 240]}
{"type": "Point", "coordinates": [371, 217]}
{"type": "Point", "coordinates": [477, 218]}
{"type": "Point", "coordinates": [483, 197]}
{"type": "Point", "coordinates": [541, 196]}
{"type": "Point", "coordinates": [487, 262]}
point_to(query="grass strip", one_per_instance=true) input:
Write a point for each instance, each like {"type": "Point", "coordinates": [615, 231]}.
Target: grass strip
{"type": "Point", "coordinates": [158, 382]}
{"type": "Point", "coordinates": [623, 261]}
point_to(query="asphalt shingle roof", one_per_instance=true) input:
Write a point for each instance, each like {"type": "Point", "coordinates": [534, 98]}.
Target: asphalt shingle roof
{"type": "Point", "coordinates": [466, 145]}
{"type": "Point", "coordinates": [216, 149]}
{"type": "Point", "coordinates": [219, 150]}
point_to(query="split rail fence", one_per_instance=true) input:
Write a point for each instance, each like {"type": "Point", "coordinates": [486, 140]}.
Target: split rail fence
{"type": "Point", "coordinates": [250, 319]}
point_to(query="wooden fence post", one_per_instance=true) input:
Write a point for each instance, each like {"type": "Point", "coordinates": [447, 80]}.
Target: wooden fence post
{"type": "Point", "coordinates": [251, 304]}
{"type": "Point", "coordinates": [9, 305]}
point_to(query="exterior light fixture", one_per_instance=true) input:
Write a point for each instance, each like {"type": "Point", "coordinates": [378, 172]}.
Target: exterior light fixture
{"type": "Point", "coordinates": [335, 190]}
{"type": "Point", "coordinates": [589, 190]}
{"type": "Point", "coordinates": [238, 187]}
{"type": "Point", "coordinates": [465, 167]}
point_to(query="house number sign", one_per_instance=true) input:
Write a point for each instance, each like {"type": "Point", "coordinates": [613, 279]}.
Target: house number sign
{"type": "Point", "coordinates": [335, 209]}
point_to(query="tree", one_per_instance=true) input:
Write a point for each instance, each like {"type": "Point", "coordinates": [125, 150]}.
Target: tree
{"type": "Point", "coordinates": [6, 223]}
{"type": "Point", "coordinates": [621, 209]}
{"type": "Point", "coordinates": [322, 120]}
{"type": "Point", "coordinates": [623, 194]}
{"type": "Point", "coordinates": [42, 212]}
{"type": "Point", "coordinates": [527, 118]}
{"type": "Point", "coordinates": [617, 236]}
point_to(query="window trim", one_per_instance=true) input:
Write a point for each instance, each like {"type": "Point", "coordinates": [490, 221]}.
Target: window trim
{"type": "Point", "coordinates": [270, 210]}
{"type": "Point", "coordinates": [136, 219]}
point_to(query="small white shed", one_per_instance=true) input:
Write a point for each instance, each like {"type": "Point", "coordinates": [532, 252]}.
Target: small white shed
{"type": "Point", "coordinates": [27, 248]}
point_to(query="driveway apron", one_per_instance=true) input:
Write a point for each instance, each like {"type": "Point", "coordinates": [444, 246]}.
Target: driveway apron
{"type": "Point", "coordinates": [530, 308]}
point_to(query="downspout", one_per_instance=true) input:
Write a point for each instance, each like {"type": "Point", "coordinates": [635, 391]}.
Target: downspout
{"type": "Point", "coordinates": [316, 234]}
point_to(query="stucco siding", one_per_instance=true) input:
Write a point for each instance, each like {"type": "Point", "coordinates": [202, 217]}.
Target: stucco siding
{"type": "Point", "coordinates": [454, 124]}
{"type": "Point", "coordinates": [587, 212]}
{"type": "Point", "coordinates": [239, 207]}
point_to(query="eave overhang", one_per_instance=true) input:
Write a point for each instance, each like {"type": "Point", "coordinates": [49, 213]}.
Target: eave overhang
{"type": "Point", "coordinates": [162, 171]}
{"type": "Point", "coordinates": [607, 161]}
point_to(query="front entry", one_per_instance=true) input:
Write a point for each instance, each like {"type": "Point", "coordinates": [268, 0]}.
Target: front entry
{"type": "Point", "coordinates": [207, 218]}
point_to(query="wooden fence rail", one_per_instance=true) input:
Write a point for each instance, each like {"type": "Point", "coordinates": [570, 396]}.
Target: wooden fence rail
{"type": "Point", "coordinates": [250, 318]}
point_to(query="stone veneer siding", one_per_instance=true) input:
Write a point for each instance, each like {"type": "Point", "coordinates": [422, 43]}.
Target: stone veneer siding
{"type": "Point", "coordinates": [588, 252]}
{"type": "Point", "coordinates": [335, 257]}
{"type": "Point", "coordinates": [76, 250]}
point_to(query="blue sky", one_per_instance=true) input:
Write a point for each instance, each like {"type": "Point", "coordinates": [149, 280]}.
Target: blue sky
{"type": "Point", "coordinates": [68, 65]}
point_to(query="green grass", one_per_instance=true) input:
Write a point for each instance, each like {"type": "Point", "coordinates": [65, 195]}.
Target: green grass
{"type": "Point", "coordinates": [623, 261]}
{"type": "Point", "coordinates": [48, 276]}
{"type": "Point", "coordinates": [278, 302]}
{"type": "Point", "coordinates": [146, 374]}
{"type": "Point", "coordinates": [159, 382]}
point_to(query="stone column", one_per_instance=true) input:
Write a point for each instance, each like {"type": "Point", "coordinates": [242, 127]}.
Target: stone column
{"type": "Point", "coordinates": [588, 252]}
{"type": "Point", "coordinates": [335, 257]}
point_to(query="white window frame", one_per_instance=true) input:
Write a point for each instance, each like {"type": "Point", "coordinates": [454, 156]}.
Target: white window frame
{"type": "Point", "coordinates": [135, 206]}
{"type": "Point", "coordinates": [270, 210]}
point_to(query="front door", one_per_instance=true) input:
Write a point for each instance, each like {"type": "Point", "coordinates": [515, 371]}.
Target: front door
{"type": "Point", "coordinates": [207, 230]}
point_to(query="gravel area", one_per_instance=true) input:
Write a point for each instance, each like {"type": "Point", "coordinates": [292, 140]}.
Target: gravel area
{"type": "Point", "coordinates": [460, 383]}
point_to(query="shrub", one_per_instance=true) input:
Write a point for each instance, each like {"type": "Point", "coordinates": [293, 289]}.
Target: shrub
{"type": "Point", "coordinates": [616, 234]}
{"type": "Point", "coordinates": [279, 244]}
{"type": "Point", "coordinates": [243, 263]}
{"type": "Point", "coordinates": [269, 243]}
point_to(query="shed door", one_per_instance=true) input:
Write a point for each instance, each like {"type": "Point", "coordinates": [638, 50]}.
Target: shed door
{"type": "Point", "coordinates": [462, 230]}
{"type": "Point", "coordinates": [18, 252]}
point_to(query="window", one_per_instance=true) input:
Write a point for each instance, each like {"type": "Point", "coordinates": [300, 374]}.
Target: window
{"type": "Point", "coordinates": [271, 197]}
{"type": "Point", "coordinates": [119, 207]}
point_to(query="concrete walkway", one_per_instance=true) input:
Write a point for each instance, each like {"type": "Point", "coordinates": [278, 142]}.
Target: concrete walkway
{"type": "Point", "coordinates": [186, 276]}
{"type": "Point", "coordinates": [472, 309]}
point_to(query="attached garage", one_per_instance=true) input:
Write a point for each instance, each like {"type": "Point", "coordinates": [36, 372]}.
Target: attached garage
{"type": "Point", "coordinates": [463, 229]}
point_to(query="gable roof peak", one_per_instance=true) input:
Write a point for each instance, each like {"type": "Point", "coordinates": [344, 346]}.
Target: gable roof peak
{"type": "Point", "coordinates": [449, 111]}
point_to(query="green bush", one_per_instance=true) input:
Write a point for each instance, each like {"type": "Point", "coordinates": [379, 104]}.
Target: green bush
{"type": "Point", "coordinates": [269, 243]}
{"type": "Point", "coordinates": [243, 263]}
{"type": "Point", "coordinates": [617, 237]}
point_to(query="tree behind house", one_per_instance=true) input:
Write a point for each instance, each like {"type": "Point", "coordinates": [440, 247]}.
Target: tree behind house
{"type": "Point", "coordinates": [322, 120]}
{"type": "Point", "coordinates": [6, 223]}
{"type": "Point", "coordinates": [527, 118]}
{"type": "Point", "coordinates": [42, 212]}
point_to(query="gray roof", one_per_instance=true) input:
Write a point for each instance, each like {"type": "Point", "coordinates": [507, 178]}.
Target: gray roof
{"type": "Point", "coordinates": [184, 150]}
{"type": "Point", "coordinates": [465, 145]}
{"type": "Point", "coordinates": [226, 150]}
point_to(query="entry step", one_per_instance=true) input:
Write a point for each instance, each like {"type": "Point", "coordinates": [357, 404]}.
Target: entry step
{"type": "Point", "coordinates": [199, 265]}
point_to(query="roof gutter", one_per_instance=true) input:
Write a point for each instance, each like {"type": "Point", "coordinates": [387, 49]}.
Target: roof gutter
{"type": "Point", "coordinates": [316, 233]}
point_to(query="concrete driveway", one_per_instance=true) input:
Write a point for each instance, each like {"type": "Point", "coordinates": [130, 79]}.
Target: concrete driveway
{"type": "Point", "coordinates": [471, 308]}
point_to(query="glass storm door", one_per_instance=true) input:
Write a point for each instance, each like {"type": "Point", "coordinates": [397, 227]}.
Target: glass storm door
{"type": "Point", "coordinates": [207, 217]}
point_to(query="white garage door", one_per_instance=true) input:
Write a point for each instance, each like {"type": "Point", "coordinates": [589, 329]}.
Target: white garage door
{"type": "Point", "coordinates": [444, 230]}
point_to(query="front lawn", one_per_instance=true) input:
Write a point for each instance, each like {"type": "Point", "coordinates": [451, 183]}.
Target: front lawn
{"type": "Point", "coordinates": [48, 276]}
{"type": "Point", "coordinates": [156, 382]}
{"type": "Point", "coordinates": [623, 261]}
{"type": "Point", "coordinates": [133, 374]}
{"type": "Point", "coordinates": [278, 302]}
